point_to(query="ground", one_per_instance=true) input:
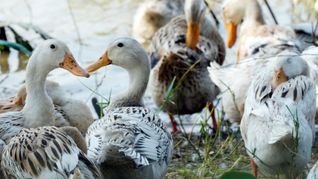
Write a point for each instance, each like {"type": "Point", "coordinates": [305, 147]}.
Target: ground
{"type": "Point", "coordinates": [218, 155]}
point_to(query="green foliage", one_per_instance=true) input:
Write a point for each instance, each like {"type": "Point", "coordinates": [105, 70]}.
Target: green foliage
{"type": "Point", "coordinates": [237, 175]}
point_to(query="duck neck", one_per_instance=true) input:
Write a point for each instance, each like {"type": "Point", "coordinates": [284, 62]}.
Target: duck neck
{"type": "Point", "coordinates": [39, 108]}
{"type": "Point", "coordinates": [253, 16]}
{"type": "Point", "coordinates": [138, 80]}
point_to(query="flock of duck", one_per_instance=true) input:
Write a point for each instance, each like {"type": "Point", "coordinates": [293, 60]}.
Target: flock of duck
{"type": "Point", "coordinates": [271, 91]}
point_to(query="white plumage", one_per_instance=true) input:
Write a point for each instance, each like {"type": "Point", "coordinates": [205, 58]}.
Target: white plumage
{"type": "Point", "coordinates": [278, 122]}
{"type": "Point", "coordinates": [130, 141]}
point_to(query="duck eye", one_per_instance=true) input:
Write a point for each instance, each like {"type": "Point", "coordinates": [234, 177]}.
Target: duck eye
{"type": "Point", "coordinates": [120, 45]}
{"type": "Point", "coordinates": [52, 46]}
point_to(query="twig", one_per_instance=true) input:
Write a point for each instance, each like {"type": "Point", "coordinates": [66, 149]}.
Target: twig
{"type": "Point", "coordinates": [259, 159]}
{"type": "Point", "coordinates": [4, 78]}
{"type": "Point", "coordinates": [232, 94]}
{"type": "Point", "coordinates": [43, 34]}
{"type": "Point", "coordinates": [251, 59]}
{"type": "Point", "coordinates": [76, 29]}
{"type": "Point", "coordinates": [183, 132]}
{"type": "Point", "coordinates": [30, 11]}
{"type": "Point", "coordinates": [98, 94]}
{"type": "Point", "coordinates": [212, 13]}
{"type": "Point", "coordinates": [272, 13]}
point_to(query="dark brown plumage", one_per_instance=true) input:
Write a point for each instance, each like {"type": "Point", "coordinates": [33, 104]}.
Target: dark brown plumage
{"type": "Point", "coordinates": [174, 60]}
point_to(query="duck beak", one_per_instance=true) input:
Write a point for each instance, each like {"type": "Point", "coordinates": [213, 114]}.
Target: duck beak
{"type": "Point", "coordinates": [231, 34]}
{"type": "Point", "coordinates": [102, 61]}
{"type": "Point", "coordinates": [280, 77]}
{"type": "Point", "coordinates": [70, 64]}
{"type": "Point", "coordinates": [193, 34]}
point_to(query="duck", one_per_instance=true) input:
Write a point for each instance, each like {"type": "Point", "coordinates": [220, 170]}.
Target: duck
{"type": "Point", "coordinates": [180, 53]}
{"type": "Point", "coordinates": [47, 152]}
{"type": "Point", "coordinates": [278, 124]}
{"type": "Point", "coordinates": [256, 38]}
{"type": "Point", "coordinates": [39, 109]}
{"type": "Point", "coordinates": [152, 15]}
{"type": "Point", "coordinates": [313, 173]}
{"type": "Point", "coordinates": [233, 80]}
{"type": "Point", "coordinates": [310, 55]}
{"type": "Point", "coordinates": [257, 41]}
{"type": "Point", "coordinates": [129, 136]}
{"type": "Point", "coordinates": [75, 112]}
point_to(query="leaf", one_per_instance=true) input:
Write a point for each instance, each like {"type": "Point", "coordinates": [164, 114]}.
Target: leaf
{"type": "Point", "coordinates": [169, 91]}
{"type": "Point", "coordinates": [237, 175]}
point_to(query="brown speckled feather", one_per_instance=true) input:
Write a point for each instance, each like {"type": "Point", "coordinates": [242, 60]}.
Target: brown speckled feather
{"type": "Point", "coordinates": [173, 59]}
{"type": "Point", "coordinates": [44, 152]}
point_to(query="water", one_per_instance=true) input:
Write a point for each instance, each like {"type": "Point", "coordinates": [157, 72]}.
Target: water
{"type": "Point", "coordinates": [87, 26]}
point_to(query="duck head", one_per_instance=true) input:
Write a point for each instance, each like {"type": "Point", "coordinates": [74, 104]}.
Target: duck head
{"type": "Point", "coordinates": [194, 12]}
{"type": "Point", "coordinates": [235, 12]}
{"type": "Point", "coordinates": [52, 54]}
{"type": "Point", "coordinates": [124, 52]}
{"type": "Point", "coordinates": [289, 66]}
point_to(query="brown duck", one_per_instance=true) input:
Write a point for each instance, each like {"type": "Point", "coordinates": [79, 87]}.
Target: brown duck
{"type": "Point", "coordinates": [180, 53]}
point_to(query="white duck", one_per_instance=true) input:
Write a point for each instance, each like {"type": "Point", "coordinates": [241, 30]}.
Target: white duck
{"type": "Point", "coordinates": [152, 15]}
{"type": "Point", "coordinates": [130, 141]}
{"type": "Point", "coordinates": [311, 57]}
{"type": "Point", "coordinates": [39, 108]}
{"type": "Point", "coordinates": [278, 122]}
{"type": "Point", "coordinates": [75, 112]}
{"type": "Point", "coordinates": [313, 173]}
{"type": "Point", "coordinates": [255, 37]}
{"type": "Point", "coordinates": [233, 82]}
{"type": "Point", "coordinates": [257, 40]}
{"type": "Point", "coordinates": [47, 152]}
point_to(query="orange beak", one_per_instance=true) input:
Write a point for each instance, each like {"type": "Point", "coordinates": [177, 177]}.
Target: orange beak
{"type": "Point", "coordinates": [280, 77]}
{"type": "Point", "coordinates": [193, 34]}
{"type": "Point", "coordinates": [70, 64]}
{"type": "Point", "coordinates": [102, 61]}
{"type": "Point", "coordinates": [231, 34]}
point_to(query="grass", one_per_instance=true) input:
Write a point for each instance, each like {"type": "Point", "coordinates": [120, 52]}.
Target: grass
{"type": "Point", "coordinates": [204, 155]}
{"type": "Point", "coordinates": [219, 158]}
{"type": "Point", "coordinates": [207, 155]}
{"type": "Point", "coordinates": [219, 153]}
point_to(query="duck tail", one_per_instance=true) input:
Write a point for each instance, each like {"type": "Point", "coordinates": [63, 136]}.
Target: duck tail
{"type": "Point", "coordinates": [216, 74]}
